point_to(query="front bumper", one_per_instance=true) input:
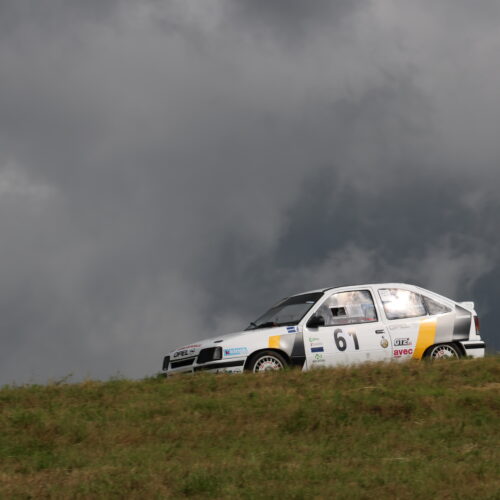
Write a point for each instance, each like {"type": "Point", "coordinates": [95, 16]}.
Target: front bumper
{"type": "Point", "coordinates": [190, 365]}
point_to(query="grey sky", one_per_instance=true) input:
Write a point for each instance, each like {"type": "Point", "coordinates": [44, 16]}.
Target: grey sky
{"type": "Point", "coordinates": [168, 169]}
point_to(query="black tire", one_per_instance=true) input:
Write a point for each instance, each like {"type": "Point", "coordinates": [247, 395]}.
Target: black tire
{"type": "Point", "coordinates": [266, 361]}
{"type": "Point", "coordinates": [443, 351]}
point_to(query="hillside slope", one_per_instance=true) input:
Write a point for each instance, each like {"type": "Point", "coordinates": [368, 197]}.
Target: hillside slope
{"type": "Point", "coordinates": [409, 430]}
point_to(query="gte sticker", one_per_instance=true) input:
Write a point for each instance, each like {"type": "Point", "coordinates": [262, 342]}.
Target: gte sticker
{"type": "Point", "coordinates": [317, 349]}
{"type": "Point", "coordinates": [402, 352]}
{"type": "Point", "coordinates": [236, 351]}
{"type": "Point", "coordinates": [405, 341]}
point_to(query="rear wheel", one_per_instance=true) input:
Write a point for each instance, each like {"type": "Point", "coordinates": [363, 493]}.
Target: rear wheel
{"type": "Point", "coordinates": [266, 361]}
{"type": "Point", "coordinates": [443, 351]}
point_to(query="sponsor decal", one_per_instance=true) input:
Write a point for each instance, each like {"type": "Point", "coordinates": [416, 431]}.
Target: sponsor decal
{"type": "Point", "coordinates": [399, 327]}
{"type": "Point", "coordinates": [191, 346]}
{"type": "Point", "coordinates": [292, 329]}
{"type": "Point", "coordinates": [384, 342]}
{"type": "Point", "coordinates": [313, 339]}
{"type": "Point", "coordinates": [236, 351]}
{"type": "Point", "coordinates": [405, 341]}
{"type": "Point", "coordinates": [316, 344]}
{"type": "Point", "coordinates": [402, 352]}
{"type": "Point", "coordinates": [318, 358]}
{"type": "Point", "coordinates": [317, 349]}
{"type": "Point", "coordinates": [184, 352]}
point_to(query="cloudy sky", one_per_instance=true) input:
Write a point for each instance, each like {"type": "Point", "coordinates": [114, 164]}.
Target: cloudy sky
{"type": "Point", "coordinates": [170, 168]}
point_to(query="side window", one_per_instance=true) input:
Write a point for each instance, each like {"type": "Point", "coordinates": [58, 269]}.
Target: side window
{"type": "Point", "coordinates": [434, 307]}
{"type": "Point", "coordinates": [400, 303]}
{"type": "Point", "coordinates": [346, 308]}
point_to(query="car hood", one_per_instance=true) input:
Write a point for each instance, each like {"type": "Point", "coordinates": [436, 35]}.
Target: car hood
{"type": "Point", "coordinates": [193, 349]}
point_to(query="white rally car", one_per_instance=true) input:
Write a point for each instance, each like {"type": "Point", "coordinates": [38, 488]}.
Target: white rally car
{"type": "Point", "coordinates": [343, 325]}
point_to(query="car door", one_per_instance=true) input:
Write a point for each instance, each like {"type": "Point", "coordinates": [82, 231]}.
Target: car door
{"type": "Point", "coordinates": [404, 313]}
{"type": "Point", "coordinates": [353, 331]}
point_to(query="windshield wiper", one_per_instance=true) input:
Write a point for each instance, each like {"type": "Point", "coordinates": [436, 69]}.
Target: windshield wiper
{"type": "Point", "coordinates": [267, 324]}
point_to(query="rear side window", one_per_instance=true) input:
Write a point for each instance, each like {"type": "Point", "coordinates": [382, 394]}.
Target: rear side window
{"type": "Point", "coordinates": [434, 307]}
{"type": "Point", "coordinates": [347, 308]}
{"type": "Point", "coordinates": [399, 303]}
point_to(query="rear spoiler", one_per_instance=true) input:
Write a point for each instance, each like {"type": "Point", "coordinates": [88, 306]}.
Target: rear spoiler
{"type": "Point", "coordinates": [467, 305]}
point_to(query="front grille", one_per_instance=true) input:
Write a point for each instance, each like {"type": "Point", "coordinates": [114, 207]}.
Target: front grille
{"type": "Point", "coordinates": [182, 362]}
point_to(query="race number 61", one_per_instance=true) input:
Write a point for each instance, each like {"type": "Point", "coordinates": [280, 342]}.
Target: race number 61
{"type": "Point", "coordinates": [341, 342]}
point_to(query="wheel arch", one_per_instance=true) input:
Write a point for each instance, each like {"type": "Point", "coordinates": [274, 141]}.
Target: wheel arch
{"type": "Point", "coordinates": [255, 353]}
{"type": "Point", "coordinates": [460, 348]}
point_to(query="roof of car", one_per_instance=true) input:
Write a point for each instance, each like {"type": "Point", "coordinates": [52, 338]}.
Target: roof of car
{"type": "Point", "coordinates": [392, 284]}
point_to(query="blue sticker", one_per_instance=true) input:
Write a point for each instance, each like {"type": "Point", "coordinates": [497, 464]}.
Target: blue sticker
{"type": "Point", "coordinates": [292, 329]}
{"type": "Point", "coordinates": [317, 349]}
{"type": "Point", "coordinates": [236, 351]}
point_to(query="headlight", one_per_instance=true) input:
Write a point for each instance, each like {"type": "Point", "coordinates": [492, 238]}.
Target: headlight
{"type": "Point", "coordinates": [209, 354]}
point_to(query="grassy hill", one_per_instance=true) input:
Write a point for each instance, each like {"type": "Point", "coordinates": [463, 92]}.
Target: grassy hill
{"type": "Point", "coordinates": [409, 430]}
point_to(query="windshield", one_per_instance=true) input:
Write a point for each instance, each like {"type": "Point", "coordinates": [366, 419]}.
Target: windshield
{"type": "Point", "coordinates": [287, 312]}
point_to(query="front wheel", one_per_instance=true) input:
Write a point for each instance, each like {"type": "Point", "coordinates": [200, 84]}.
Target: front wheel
{"type": "Point", "coordinates": [266, 361]}
{"type": "Point", "coordinates": [443, 351]}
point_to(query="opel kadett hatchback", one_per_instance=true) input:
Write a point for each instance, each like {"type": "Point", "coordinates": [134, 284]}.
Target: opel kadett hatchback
{"type": "Point", "coordinates": [335, 326]}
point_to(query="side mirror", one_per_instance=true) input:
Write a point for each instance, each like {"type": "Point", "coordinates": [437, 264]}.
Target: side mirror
{"type": "Point", "coordinates": [315, 321]}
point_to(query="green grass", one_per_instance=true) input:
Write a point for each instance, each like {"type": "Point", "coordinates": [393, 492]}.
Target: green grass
{"type": "Point", "coordinates": [409, 430]}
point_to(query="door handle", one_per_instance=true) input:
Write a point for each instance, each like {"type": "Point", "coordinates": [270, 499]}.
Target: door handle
{"type": "Point", "coordinates": [380, 331]}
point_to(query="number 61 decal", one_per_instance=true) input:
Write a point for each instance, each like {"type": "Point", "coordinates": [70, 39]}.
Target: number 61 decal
{"type": "Point", "coordinates": [341, 342]}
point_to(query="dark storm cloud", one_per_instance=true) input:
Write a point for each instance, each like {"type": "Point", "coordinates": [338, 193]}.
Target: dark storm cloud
{"type": "Point", "coordinates": [291, 19]}
{"type": "Point", "coordinates": [169, 169]}
{"type": "Point", "coordinates": [56, 15]}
